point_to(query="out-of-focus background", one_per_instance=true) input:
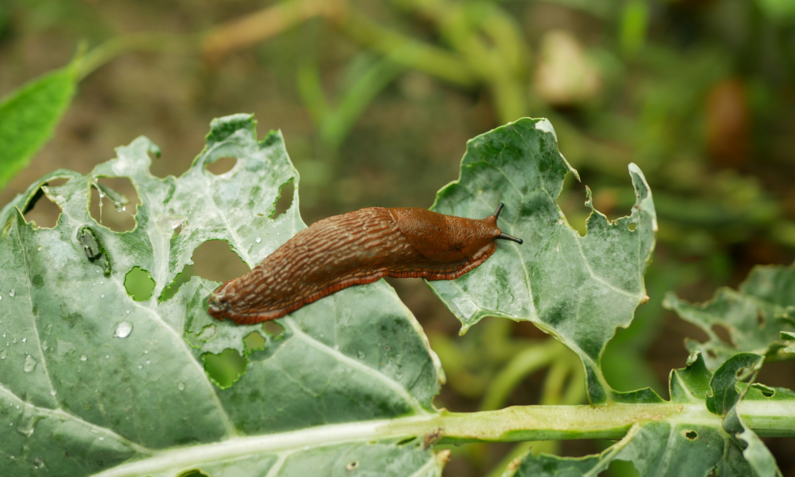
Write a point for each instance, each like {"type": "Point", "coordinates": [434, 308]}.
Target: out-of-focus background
{"type": "Point", "coordinates": [376, 101]}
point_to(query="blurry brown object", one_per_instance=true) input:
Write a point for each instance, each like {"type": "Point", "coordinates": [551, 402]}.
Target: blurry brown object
{"type": "Point", "coordinates": [728, 124]}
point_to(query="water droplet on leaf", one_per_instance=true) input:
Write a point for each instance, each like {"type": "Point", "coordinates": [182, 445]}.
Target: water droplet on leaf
{"type": "Point", "coordinates": [12, 293]}
{"type": "Point", "coordinates": [3, 354]}
{"type": "Point", "coordinates": [361, 355]}
{"type": "Point", "coordinates": [30, 364]}
{"type": "Point", "coordinates": [123, 330]}
{"type": "Point", "coordinates": [83, 357]}
{"type": "Point", "coordinates": [259, 240]}
{"type": "Point", "coordinates": [181, 386]}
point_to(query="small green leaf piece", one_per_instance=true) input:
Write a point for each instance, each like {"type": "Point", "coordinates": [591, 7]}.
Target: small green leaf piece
{"type": "Point", "coordinates": [723, 385]}
{"type": "Point", "coordinates": [578, 289]}
{"type": "Point", "coordinates": [29, 115]}
{"type": "Point", "coordinates": [93, 249]}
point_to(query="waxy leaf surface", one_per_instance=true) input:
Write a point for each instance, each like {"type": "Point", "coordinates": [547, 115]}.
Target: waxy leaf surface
{"type": "Point", "coordinates": [578, 289]}
{"type": "Point", "coordinates": [94, 382]}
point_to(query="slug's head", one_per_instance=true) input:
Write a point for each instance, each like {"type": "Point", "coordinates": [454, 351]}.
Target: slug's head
{"type": "Point", "coordinates": [449, 239]}
{"type": "Point", "coordinates": [219, 302]}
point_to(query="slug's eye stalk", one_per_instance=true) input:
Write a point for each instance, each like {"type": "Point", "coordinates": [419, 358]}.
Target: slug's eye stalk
{"type": "Point", "coordinates": [496, 213]}
{"type": "Point", "coordinates": [505, 236]}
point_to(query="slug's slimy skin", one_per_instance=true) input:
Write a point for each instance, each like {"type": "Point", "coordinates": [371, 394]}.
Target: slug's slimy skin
{"type": "Point", "coordinates": [354, 249]}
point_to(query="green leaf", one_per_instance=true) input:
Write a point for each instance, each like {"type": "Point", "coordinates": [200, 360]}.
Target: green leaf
{"type": "Point", "coordinates": [753, 317]}
{"type": "Point", "coordinates": [94, 381]}
{"type": "Point", "coordinates": [692, 444]}
{"type": "Point", "coordinates": [578, 289]}
{"type": "Point", "coordinates": [28, 117]}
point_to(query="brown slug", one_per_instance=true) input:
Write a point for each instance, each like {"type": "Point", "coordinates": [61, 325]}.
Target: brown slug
{"type": "Point", "coordinates": [354, 249]}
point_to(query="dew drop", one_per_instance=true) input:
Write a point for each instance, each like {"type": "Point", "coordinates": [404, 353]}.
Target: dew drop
{"type": "Point", "coordinates": [83, 357]}
{"type": "Point", "coordinates": [45, 346]}
{"type": "Point", "coordinates": [39, 249]}
{"type": "Point", "coordinates": [102, 296]}
{"type": "Point", "coordinates": [30, 364]}
{"type": "Point", "coordinates": [48, 328]}
{"type": "Point", "coordinates": [12, 293]}
{"type": "Point", "coordinates": [140, 366]}
{"type": "Point", "coordinates": [102, 438]}
{"type": "Point", "coordinates": [24, 340]}
{"type": "Point", "coordinates": [53, 392]}
{"type": "Point", "coordinates": [147, 361]}
{"type": "Point", "coordinates": [4, 335]}
{"type": "Point", "coordinates": [107, 356]}
{"type": "Point", "coordinates": [1, 297]}
{"type": "Point", "coordinates": [259, 240]}
{"type": "Point", "coordinates": [181, 386]}
{"type": "Point", "coordinates": [336, 347]}
{"type": "Point", "coordinates": [38, 463]}
{"type": "Point", "coordinates": [560, 220]}
{"type": "Point", "coordinates": [361, 354]}
{"type": "Point", "coordinates": [3, 354]}
{"type": "Point", "coordinates": [123, 330]}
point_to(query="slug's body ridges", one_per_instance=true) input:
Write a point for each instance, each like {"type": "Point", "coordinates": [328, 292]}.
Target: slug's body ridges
{"type": "Point", "coordinates": [354, 249]}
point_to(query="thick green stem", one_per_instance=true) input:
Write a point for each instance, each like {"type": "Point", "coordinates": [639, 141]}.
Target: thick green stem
{"type": "Point", "coordinates": [534, 423]}
{"type": "Point", "coordinates": [527, 423]}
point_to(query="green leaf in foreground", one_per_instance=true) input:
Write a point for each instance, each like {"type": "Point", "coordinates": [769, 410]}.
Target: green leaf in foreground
{"type": "Point", "coordinates": [93, 380]}
{"type": "Point", "coordinates": [578, 289]}
{"type": "Point", "coordinates": [752, 318]}
{"type": "Point", "coordinates": [694, 442]}
{"type": "Point", "coordinates": [29, 115]}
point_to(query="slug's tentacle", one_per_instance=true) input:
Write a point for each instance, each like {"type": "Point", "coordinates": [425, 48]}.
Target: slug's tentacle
{"type": "Point", "coordinates": [496, 213]}
{"type": "Point", "coordinates": [504, 236]}
{"type": "Point", "coordinates": [354, 249]}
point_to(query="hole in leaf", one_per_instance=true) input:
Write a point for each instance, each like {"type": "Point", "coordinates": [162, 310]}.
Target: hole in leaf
{"type": "Point", "coordinates": [632, 226]}
{"type": "Point", "coordinates": [622, 468]}
{"type": "Point", "coordinates": [139, 284]}
{"type": "Point", "coordinates": [224, 368]}
{"type": "Point", "coordinates": [254, 341]}
{"type": "Point", "coordinates": [692, 435]}
{"type": "Point", "coordinates": [214, 260]}
{"type": "Point", "coordinates": [43, 213]}
{"type": "Point", "coordinates": [352, 465]}
{"type": "Point", "coordinates": [285, 199]}
{"type": "Point", "coordinates": [113, 203]}
{"type": "Point", "coordinates": [760, 319]}
{"type": "Point", "coordinates": [193, 473]}
{"type": "Point", "coordinates": [724, 333]}
{"type": "Point", "coordinates": [182, 277]}
{"type": "Point", "coordinates": [766, 391]}
{"type": "Point", "coordinates": [405, 441]}
{"type": "Point", "coordinates": [571, 201]}
{"type": "Point", "coordinates": [272, 328]}
{"type": "Point", "coordinates": [712, 354]}
{"type": "Point", "coordinates": [222, 165]}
